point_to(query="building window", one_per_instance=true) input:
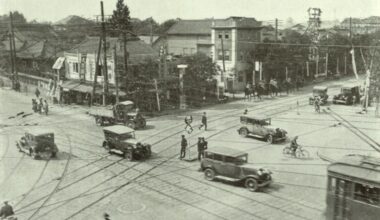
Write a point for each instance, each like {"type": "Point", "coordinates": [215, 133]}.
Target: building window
{"type": "Point", "coordinates": [75, 67]}
{"type": "Point", "coordinates": [220, 36]}
{"type": "Point", "coordinates": [240, 76]}
{"type": "Point", "coordinates": [226, 55]}
{"type": "Point", "coordinates": [226, 36]}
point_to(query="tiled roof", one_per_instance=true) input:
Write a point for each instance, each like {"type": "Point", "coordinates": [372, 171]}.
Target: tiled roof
{"type": "Point", "coordinates": [137, 49]}
{"type": "Point", "coordinates": [191, 27]}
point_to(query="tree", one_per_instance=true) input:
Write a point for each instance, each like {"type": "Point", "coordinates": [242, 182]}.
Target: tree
{"type": "Point", "coordinates": [121, 23]}
{"type": "Point", "coordinates": [18, 18]}
{"type": "Point", "coordinates": [121, 20]}
{"type": "Point", "coordinates": [199, 78]}
{"type": "Point", "coordinates": [164, 27]}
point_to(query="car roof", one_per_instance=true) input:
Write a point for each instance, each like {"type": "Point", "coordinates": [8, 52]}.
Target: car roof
{"type": "Point", "coordinates": [38, 131]}
{"type": "Point", "coordinates": [319, 88]}
{"type": "Point", "coordinates": [358, 166]}
{"type": "Point", "coordinates": [256, 116]}
{"type": "Point", "coordinates": [118, 129]}
{"type": "Point", "coordinates": [227, 151]}
{"type": "Point", "coordinates": [126, 102]}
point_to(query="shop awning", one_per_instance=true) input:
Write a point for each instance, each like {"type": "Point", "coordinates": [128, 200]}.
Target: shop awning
{"type": "Point", "coordinates": [59, 63]}
{"type": "Point", "coordinates": [69, 85]}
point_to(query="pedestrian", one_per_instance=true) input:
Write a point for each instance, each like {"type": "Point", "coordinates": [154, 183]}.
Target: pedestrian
{"type": "Point", "coordinates": [188, 121]}
{"type": "Point", "coordinates": [245, 112]}
{"type": "Point", "coordinates": [106, 216]}
{"type": "Point", "coordinates": [46, 107]}
{"type": "Point", "coordinates": [202, 146]}
{"type": "Point", "coordinates": [204, 121]}
{"type": "Point", "coordinates": [88, 99]}
{"type": "Point", "coordinates": [183, 147]}
{"type": "Point", "coordinates": [40, 106]}
{"type": "Point", "coordinates": [34, 105]}
{"type": "Point", "coordinates": [6, 210]}
{"type": "Point", "coordinates": [37, 92]}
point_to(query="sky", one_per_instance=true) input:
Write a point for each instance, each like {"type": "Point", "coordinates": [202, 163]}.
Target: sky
{"type": "Point", "coordinates": [161, 10]}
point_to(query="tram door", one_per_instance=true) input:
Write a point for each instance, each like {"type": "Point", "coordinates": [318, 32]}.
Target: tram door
{"type": "Point", "coordinates": [341, 207]}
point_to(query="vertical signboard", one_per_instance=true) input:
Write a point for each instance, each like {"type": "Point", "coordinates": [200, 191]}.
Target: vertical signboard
{"type": "Point", "coordinates": [82, 71]}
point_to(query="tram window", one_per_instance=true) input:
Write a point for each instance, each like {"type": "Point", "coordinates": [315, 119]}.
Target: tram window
{"type": "Point", "coordinates": [332, 183]}
{"type": "Point", "coordinates": [367, 194]}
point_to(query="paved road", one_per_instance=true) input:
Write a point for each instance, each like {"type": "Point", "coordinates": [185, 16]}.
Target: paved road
{"type": "Point", "coordinates": [84, 182]}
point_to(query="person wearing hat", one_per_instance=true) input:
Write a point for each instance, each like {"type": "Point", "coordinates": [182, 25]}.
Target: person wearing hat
{"type": "Point", "coordinates": [6, 210]}
{"type": "Point", "coordinates": [106, 216]}
{"type": "Point", "coordinates": [183, 147]}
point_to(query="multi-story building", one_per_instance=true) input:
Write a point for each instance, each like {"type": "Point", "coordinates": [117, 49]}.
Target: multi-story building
{"type": "Point", "coordinates": [233, 39]}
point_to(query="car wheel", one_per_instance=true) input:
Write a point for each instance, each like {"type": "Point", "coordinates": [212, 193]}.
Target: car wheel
{"type": "Point", "coordinates": [99, 121]}
{"type": "Point", "coordinates": [270, 139]}
{"type": "Point", "coordinates": [106, 146]}
{"type": "Point", "coordinates": [209, 174]}
{"type": "Point", "coordinates": [251, 184]}
{"type": "Point", "coordinates": [243, 132]}
{"type": "Point", "coordinates": [128, 155]}
{"type": "Point", "coordinates": [132, 125]}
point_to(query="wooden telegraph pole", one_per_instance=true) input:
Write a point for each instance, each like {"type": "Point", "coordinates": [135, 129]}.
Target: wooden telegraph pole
{"type": "Point", "coordinates": [116, 75]}
{"type": "Point", "coordinates": [105, 72]}
{"type": "Point", "coordinates": [96, 70]}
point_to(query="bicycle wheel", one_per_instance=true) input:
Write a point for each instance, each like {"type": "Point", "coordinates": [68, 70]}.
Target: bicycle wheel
{"type": "Point", "coordinates": [286, 150]}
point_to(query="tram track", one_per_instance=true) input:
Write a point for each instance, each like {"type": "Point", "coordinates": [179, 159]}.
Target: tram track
{"type": "Point", "coordinates": [176, 154]}
{"type": "Point", "coordinates": [356, 131]}
{"type": "Point", "coordinates": [216, 119]}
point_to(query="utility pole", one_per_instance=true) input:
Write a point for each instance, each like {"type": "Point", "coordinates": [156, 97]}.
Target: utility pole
{"type": "Point", "coordinates": [345, 64]}
{"type": "Point", "coordinates": [116, 74]}
{"type": "Point", "coordinates": [12, 49]}
{"type": "Point", "coordinates": [157, 95]}
{"type": "Point", "coordinates": [97, 69]}
{"type": "Point", "coordinates": [327, 63]}
{"type": "Point", "coordinates": [307, 69]}
{"type": "Point", "coordinates": [223, 59]}
{"type": "Point", "coordinates": [276, 24]}
{"type": "Point", "coordinates": [125, 55]}
{"type": "Point", "coordinates": [105, 73]}
{"type": "Point", "coordinates": [151, 31]}
{"type": "Point", "coordinates": [351, 30]}
{"type": "Point", "coordinates": [11, 54]}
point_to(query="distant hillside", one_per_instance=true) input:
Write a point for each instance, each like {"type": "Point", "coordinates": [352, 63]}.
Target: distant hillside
{"type": "Point", "coordinates": [73, 20]}
{"type": "Point", "coordinates": [369, 20]}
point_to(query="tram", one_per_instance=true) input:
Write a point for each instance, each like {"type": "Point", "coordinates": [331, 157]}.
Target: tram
{"type": "Point", "coordinates": [353, 188]}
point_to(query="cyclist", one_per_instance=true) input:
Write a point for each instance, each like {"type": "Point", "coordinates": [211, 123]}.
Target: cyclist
{"type": "Point", "coordinates": [294, 145]}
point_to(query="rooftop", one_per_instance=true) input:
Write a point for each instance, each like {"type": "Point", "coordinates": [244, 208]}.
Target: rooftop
{"type": "Point", "coordinates": [320, 87]}
{"type": "Point", "coordinates": [359, 166]}
{"type": "Point", "coordinates": [118, 129]}
{"type": "Point", "coordinates": [192, 27]}
{"type": "Point", "coordinates": [226, 151]}
{"type": "Point", "coordinates": [255, 116]}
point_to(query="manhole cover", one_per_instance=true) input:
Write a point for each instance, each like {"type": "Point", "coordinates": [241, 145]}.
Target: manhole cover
{"type": "Point", "coordinates": [131, 207]}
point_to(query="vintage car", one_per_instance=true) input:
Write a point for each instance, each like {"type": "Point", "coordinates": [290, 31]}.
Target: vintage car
{"type": "Point", "coordinates": [38, 144]}
{"type": "Point", "coordinates": [232, 165]}
{"type": "Point", "coordinates": [119, 113]}
{"type": "Point", "coordinates": [121, 139]}
{"type": "Point", "coordinates": [349, 94]}
{"type": "Point", "coordinates": [260, 127]}
{"type": "Point", "coordinates": [320, 91]}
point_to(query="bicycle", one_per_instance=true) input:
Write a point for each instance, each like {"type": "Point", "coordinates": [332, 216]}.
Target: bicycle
{"type": "Point", "coordinates": [299, 153]}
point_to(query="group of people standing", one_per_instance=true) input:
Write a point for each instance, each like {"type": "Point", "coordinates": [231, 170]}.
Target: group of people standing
{"type": "Point", "coordinates": [202, 143]}
{"type": "Point", "coordinates": [39, 105]}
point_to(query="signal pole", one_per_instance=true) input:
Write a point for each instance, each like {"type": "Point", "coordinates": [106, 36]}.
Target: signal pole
{"type": "Point", "coordinates": [105, 73]}
{"type": "Point", "coordinates": [116, 74]}
{"type": "Point", "coordinates": [276, 25]}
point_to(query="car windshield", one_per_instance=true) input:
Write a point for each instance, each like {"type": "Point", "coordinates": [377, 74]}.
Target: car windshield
{"type": "Point", "coordinates": [319, 92]}
{"type": "Point", "coordinates": [265, 122]}
{"type": "Point", "coordinates": [241, 160]}
{"type": "Point", "coordinates": [346, 91]}
{"type": "Point", "coordinates": [127, 136]}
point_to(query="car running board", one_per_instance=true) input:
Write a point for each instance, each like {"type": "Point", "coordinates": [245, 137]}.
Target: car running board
{"type": "Point", "coordinates": [227, 178]}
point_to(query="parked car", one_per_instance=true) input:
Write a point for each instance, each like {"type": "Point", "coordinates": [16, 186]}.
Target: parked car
{"type": "Point", "coordinates": [121, 139]}
{"type": "Point", "coordinates": [320, 91]}
{"type": "Point", "coordinates": [120, 113]}
{"type": "Point", "coordinates": [232, 165]}
{"type": "Point", "coordinates": [349, 94]}
{"type": "Point", "coordinates": [260, 127]}
{"type": "Point", "coordinates": [38, 144]}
